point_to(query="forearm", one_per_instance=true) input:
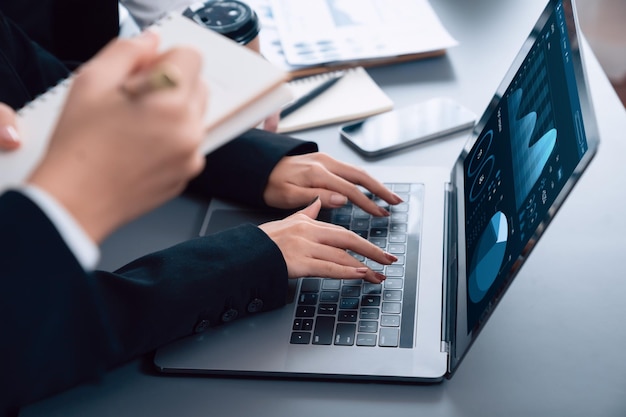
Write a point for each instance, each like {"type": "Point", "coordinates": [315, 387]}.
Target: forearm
{"type": "Point", "coordinates": [178, 291]}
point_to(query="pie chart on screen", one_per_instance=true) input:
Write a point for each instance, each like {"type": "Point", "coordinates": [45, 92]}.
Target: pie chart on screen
{"type": "Point", "coordinates": [488, 256]}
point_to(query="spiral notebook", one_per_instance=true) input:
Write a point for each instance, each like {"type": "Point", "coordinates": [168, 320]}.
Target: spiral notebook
{"type": "Point", "coordinates": [355, 96]}
{"type": "Point", "coordinates": [244, 89]}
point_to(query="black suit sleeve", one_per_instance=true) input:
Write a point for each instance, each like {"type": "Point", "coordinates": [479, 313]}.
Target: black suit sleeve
{"type": "Point", "coordinates": [53, 326]}
{"type": "Point", "coordinates": [26, 70]}
{"type": "Point", "coordinates": [239, 170]}
{"type": "Point", "coordinates": [202, 282]}
{"type": "Point", "coordinates": [62, 326]}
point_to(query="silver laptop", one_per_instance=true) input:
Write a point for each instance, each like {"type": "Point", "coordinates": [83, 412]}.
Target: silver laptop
{"type": "Point", "coordinates": [461, 238]}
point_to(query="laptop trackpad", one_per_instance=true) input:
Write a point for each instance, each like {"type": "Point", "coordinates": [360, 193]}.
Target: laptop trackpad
{"type": "Point", "coordinates": [222, 219]}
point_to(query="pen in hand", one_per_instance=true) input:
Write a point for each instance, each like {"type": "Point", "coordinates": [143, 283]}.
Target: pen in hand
{"type": "Point", "coordinates": [315, 92]}
{"type": "Point", "coordinates": [158, 78]}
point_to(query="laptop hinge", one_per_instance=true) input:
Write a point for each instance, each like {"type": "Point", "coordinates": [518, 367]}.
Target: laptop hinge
{"type": "Point", "coordinates": [449, 269]}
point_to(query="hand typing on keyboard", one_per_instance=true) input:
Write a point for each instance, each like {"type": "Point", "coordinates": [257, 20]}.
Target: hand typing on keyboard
{"type": "Point", "coordinates": [296, 180]}
{"type": "Point", "coordinates": [354, 312]}
{"type": "Point", "coordinates": [315, 248]}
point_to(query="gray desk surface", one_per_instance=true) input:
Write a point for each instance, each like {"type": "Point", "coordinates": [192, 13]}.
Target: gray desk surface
{"type": "Point", "coordinates": [553, 347]}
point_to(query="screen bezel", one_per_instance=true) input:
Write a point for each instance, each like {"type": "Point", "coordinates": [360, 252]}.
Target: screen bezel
{"type": "Point", "coordinates": [460, 337]}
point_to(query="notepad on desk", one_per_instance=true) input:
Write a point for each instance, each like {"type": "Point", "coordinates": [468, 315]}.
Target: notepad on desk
{"type": "Point", "coordinates": [244, 88]}
{"type": "Point", "coordinates": [355, 96]}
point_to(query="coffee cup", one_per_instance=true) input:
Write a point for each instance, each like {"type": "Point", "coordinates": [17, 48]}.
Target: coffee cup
{"type": "Point", "coordinates": [231, 18]}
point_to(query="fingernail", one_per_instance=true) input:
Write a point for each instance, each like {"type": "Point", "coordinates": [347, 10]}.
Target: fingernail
{"type": "Point", "coordinates": [383, 212]}
{"type": "Point", "coordinates": [362, 270]}
{"type": "Point", "coordinates": [313, 201]}
{"type": "Point", "coordinates": [8, 134]}
{"type": "Point", "coordinates": [338, 199]}
{"type": "Point", "coordinates": [380, 276]}
{"type": "Point", "coordinates": [392, 258]}
{"type": "Point", "coordinates": [397, 199]}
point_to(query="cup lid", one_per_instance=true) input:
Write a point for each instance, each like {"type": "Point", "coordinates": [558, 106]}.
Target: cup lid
{"type": "Point", "coordinates": [232, 18]}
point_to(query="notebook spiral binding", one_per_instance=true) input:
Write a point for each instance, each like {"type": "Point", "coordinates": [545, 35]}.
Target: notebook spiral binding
{"type": "Point", "coordinates": [43, 97]}
{"type": "Point", "coordinates": [319, 78]}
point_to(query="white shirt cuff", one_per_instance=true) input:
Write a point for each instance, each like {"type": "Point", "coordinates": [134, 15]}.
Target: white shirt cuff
{"type": "Point", "coordinates": [84, 249]}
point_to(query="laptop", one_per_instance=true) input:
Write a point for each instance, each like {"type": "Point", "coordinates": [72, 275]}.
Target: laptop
{"type": "Point", "coordinates": [461, 237]}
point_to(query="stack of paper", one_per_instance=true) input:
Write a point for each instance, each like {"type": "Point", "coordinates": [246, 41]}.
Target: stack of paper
{"type": "Point", "coordinates": [307, 37]}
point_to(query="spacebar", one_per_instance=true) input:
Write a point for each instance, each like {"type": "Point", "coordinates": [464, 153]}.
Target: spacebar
{"type": "Point", "coordinates": [323, 332]}
{"type": "Point", "coordinates": [409, 301]}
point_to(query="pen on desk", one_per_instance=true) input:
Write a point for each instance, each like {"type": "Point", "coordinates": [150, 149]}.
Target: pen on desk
{"type": "Point", "coordinates": [315, 92]}
{"type": "Point", "coordinates": [155, 79]}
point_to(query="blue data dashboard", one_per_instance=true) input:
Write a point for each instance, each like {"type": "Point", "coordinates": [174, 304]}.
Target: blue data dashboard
{"type": "Point", "coordinates": [520, 162]}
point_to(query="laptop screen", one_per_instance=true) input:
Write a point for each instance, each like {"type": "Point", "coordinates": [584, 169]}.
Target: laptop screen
{"type": "Point", "coordinates": [522, 160]}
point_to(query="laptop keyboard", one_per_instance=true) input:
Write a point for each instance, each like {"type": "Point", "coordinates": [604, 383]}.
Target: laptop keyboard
{"type": "Point", "coordinates": [357, 312]}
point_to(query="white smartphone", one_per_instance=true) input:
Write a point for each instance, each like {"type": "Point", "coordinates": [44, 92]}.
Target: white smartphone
{"type": "Point", "coordinates": [398, 129]}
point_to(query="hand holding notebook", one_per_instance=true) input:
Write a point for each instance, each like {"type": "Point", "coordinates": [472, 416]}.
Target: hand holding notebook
{"type": "Point", "coordinates": [118, 151]}
{"type": "Point", "coordinates": [238, 100]}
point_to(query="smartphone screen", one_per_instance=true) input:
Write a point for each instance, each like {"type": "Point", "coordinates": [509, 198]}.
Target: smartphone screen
{"type": "Point", "coordinates": [407, 126]}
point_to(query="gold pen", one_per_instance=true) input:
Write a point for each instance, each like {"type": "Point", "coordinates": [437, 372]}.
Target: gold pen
{"type": "Point", "coordinates": [158, 78]}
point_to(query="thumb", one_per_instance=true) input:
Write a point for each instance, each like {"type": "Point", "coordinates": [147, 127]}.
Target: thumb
{"type": "Point", "coordinates": [9, 139]}
{"type": "Point", "coordinates": [313, 209]}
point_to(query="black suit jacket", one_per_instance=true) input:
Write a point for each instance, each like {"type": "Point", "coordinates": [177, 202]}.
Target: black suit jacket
{"type": "Point", "coordinates": [26, 69]}
{"type": "Point", "coordinates": [72, 30]}
{"type": "Point", "coordinates": [61, 325]}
